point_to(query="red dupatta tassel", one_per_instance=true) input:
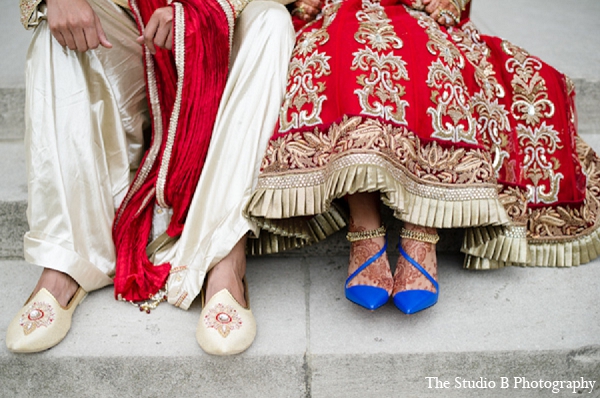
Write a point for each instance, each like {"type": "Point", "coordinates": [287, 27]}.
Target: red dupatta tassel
{"type": "Point", "coordinates": [184, 88]}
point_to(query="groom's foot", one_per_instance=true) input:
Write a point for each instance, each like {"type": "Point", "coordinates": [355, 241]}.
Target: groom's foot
{"type": "Point", "coordinates": [228, 274]}
{"type": "Point", "coordinates": [59, 284]}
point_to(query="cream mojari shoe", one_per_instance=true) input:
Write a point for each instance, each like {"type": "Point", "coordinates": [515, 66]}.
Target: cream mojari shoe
{"type": "Point", "coordinates": [225, 327]}
{"type": "Point", "coordinates": [42, 323]}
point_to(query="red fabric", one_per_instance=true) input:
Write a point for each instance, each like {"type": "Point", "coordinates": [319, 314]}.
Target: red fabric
{"type": "Point", "coordinates": [341, 84]}
{"type": "Point", "coordinates": [205, 72]}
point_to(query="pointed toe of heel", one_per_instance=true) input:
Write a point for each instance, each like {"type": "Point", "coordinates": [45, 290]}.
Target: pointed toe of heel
{"type": "Point", "coordinates": [369, 297]}
{"type": "Point", "coordinates": [412, 301]}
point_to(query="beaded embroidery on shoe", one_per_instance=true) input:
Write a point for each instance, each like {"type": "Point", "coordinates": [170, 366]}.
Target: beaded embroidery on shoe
{"type": "Point", "coordinates": [38, 314]}
{"type": "Point", "coordinates": [223, 318]}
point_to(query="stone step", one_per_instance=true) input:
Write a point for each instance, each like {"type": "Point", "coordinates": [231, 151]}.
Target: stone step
{"type": "Point", "coordinates": [311, 342]}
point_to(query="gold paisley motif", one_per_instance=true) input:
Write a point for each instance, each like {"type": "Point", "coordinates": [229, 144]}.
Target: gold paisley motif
{"type": "Point", "coordinates": [381, 93]}
{"type": "Point", "coordinates": [452, 101]}
{"type": "Point", "coordinates": [468, 39]}
{"type": "Point", "coordinates": [303, 100]}
{"type": "Point", "coordinates": [302, 91]}
{"type": "Point", "coordinates": [398, 147]}
{"type": "Point", "coordinates": [530, 101]}
{"type": "Point", "coordinates": [514, 200]}
{"type": "Point", "coordinates": [538, 145]}
{"type": "Point", "coordinates": [492, 117]}
{"type": "Point", "coordinates": [438, 44]}
{"type": "Point", "coordinates": [493, 122]}
{"type": "Point", "coordinates": [375, 28]}
{"type": "Point", "coordinates": [452, 118]}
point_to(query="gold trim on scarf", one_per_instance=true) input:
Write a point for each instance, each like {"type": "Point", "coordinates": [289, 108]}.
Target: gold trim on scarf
{"type": "Point", "coordinates": [154, 149]}
{"type": "Point", "coordinates": [179, 52]}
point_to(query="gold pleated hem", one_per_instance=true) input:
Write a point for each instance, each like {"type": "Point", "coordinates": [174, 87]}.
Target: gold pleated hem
{"type": "Point", "coordinates": [490, 248]}
{"type": "Point", "coordinates": [299, 210]}
{"type": "Point", "coordinates": [285, 234]}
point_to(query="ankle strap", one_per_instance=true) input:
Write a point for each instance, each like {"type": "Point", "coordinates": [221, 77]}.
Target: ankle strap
{"type": "Point", "coordinates": [362, 235]}
{"type": "Point", "coordinates": [420, 236]}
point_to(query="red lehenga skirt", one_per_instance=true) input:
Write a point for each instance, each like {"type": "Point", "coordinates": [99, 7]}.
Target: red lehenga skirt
{"type": "Point", "coordinates": [455, 130]}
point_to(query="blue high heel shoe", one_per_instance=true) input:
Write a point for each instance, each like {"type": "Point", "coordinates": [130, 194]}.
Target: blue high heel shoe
{"type": "Point", "coordinates": [411, 301]}
{"type": "Point", "coordinates": [369, 297]}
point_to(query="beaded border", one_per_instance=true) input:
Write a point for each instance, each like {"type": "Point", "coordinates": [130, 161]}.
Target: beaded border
{"type": "Point", "coordinates": [362, 235]}
{"type": "Point", "coordinates": [420, 236]}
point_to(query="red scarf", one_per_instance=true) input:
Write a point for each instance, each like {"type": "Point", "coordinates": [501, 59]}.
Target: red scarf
{"type": "Point", "coordinates": [184, 87]}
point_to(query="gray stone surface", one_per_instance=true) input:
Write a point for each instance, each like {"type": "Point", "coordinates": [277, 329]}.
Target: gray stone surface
{"type": "Point", "coordinates": [12, 228]}
{"type": "Point", "coordinates": [12, 102]}
{"type": "Point", "coordinates": [13, 198]}
{"type": "Point", "coordinates": [312, 342]}
{"type": "Point", "coordinates": [14, 45]}
{"type": "Point", "coordinates": [406, 375]}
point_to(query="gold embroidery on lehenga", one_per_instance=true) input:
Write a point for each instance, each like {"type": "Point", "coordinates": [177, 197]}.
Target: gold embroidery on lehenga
{"type": "Point", "coordinates": [538, 139]}
{"type": "Point", "coordinates": [453, 101]}
{"type": "Point", "coordinates": [564, 223]}
{"type": "Point", "coordinates": [514, 200]}
{"type": "Point", "coordinates": [438, 40]}
{"type": "Point", "coordinates": [570, 85]}
{"type": "Point", "coordinates": [461, 173]}
{"type": "Point", "coordinates": [302, 90]}
{"type": "Point", "coordinates": [307, 65]}
{"type": "Point", "coordinates": [530, 101]}
{"type": "Point", "coordinates": [539, 144]}
{"type": "Point", "coordinates": [493, 121]}
{"type": "Point", "coordinates": [451, 115]}
{"type": "Point", "coordinates": [492, 117]}
{"type": "Point", "coordinates": [467, 39]}
{"type": "Point", "coordinates": [375, 28]}
{"type": "Point", "coordinates": [381, 93]}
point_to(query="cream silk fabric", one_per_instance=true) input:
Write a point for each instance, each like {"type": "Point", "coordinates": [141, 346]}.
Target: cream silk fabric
{"type": "Point", "coordinates": [263, 43]}
{"type": "Point", "coordinates": [85, 114]}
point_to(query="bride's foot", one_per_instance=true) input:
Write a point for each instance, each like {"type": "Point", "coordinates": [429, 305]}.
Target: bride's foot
{"type": "Point", "coordinates": [45, 319]}
{"type": "Point", "coordinates": [377, 274]}
{"type": "Point", "coordinates": [226, 324]}
{"type": "Point", "coordinates": [369, 281]}
{"type": "Point", "coordinates": [411, 284]}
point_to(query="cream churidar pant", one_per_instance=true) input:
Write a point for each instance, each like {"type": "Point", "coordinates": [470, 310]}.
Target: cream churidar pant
{"type": "Point", "coordinates": [85, 116]}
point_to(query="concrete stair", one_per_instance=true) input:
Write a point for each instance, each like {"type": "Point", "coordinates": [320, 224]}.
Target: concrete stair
{"type": "Point", "coordinates": [515, 322]}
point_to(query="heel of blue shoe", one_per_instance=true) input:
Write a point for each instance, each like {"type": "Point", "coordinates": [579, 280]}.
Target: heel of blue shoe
{"type": "Point", "coordinates": [412, 301]}
{"type": "Point", "coordinates": [369, 297]}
